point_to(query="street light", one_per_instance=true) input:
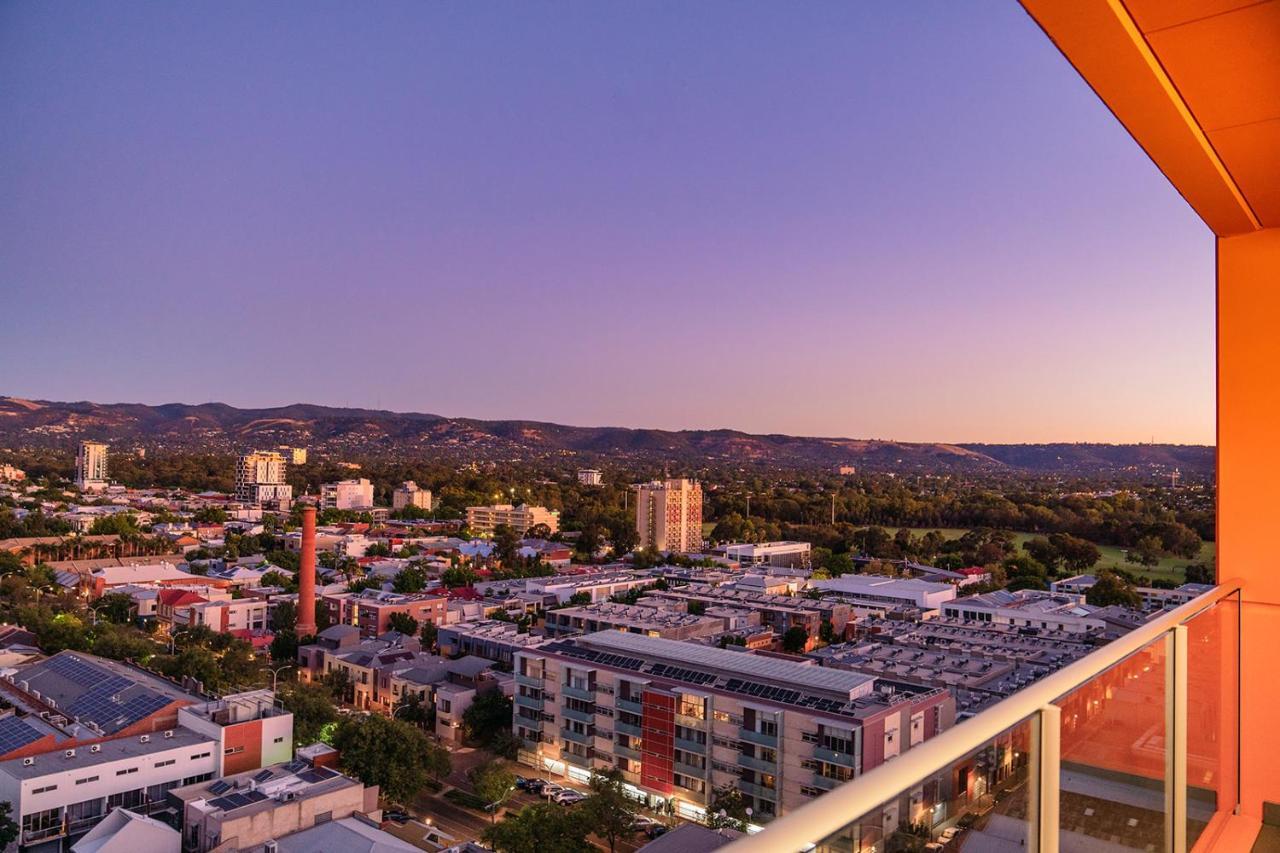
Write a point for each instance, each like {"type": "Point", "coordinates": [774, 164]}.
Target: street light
{"type": "Point", "coordinates": [275, 674]}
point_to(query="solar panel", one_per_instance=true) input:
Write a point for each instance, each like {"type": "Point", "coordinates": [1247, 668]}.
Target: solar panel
{"type": "Point", "coordinates": [219, 787]}
{"type": "Point", "coordinates": [263, 776]}
{"type": "Point", "coordinates": [15, 734]}
{"type": "Point", "coordinates": [295, 766]}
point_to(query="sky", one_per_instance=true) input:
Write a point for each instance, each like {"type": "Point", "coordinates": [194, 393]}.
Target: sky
{"type": "Point", "coordinates": [905, 221]}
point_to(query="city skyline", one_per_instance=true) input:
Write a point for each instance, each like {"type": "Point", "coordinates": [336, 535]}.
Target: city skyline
{"type": "Point", "coordinates": [627, 216]}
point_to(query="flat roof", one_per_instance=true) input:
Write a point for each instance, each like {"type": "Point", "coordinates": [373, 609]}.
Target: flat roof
{"type": "Point", "coordinates": [116, 749]}
{"type": "Point", "coordinates": [776, 670]}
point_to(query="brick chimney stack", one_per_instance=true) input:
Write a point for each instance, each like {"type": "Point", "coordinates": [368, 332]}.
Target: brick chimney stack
{"type": "Point", "coordinates": [307, 575]}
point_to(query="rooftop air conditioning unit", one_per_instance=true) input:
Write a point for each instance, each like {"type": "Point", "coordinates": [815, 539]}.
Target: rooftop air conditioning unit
{"type": "Point", "coordinates": [70, 753]}
{"type": "Point", "coordinates": [27, 762]}
{"type": "Point", "coordinates": [97, 747]}
{"type": "Point", "coordinates": [169, 733]}
{"type": "Point", "coordinates": [144, 739]}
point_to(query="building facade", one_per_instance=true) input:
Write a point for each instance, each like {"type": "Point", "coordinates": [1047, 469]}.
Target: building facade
{"type": "Point", "coordinates": [683, 721]}
{"type": "Point", "coordinates": [482, 520]}
{"type": "Point", "coordinates": [347, 494]}
{"type": "Point", "coordinates": [260, 479]}
{"type": "Point", "coordinates": [408, 494]}
{"type": "Point", "coordinates": [91, 466]}
{"type": "Point", "coordinates": [669, 515]}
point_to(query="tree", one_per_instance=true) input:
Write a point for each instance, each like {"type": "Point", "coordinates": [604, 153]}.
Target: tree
{"type": "Point", "coordinates": [492, 783]}
{"type": "Point", "coordinates": [727, 809]}
{"type": "Point", "coordinates": [1111, 589]}
{"type": "Point", "coordinates": [312, 709]}
{"type": "Point", "coordinates": [410, 579]}
{"type": "Point", "coordinates": [284, 645]}
{"type": "Point", "coordinates": [489, 714]}
{"type": "Point", "coordinates": [8, 827]}
{"type": "Point", "coordinates": [1078, 555]}
{"type": "Point", "coordinates": [608, 809]}
{"type": "Point", "coordinates": [1146, 552]}
{"type": "Point", "coordinates": [117, 607]}
{"type": "Point", "coordinates": [542, 828]}
{"type": "Point", "coordinates": [385, 752]}
{"type": "Point", "coordinates": [429, 634]}
{"type": "Point", "coordinates": [827, 632]}
{"type": "Point", "coordinates": [338, 683]}
{"type": "Point", "coordinates": [284, 617]}
{"type": "Point", "coordinates": [414, 711]}
{"type": "Point", "coordinates": [505, 543]}
{"type": "Point", "coordinates": [404, 623]}
{"type": "Point", "coordinates": [795, 639]}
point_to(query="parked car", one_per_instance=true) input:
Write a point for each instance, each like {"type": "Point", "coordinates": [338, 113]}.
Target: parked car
{"type": "Point", "coordinates": [396, 813]}
{"type": "Point", "coordinates": [535, 786]}
{"type": "Point", "coordinates": [522, 784]}
{"type": "Point", "coordinates": [568, 797]}
{"type": "Point", "coordinates": [641, 823]}
{"type": "Point", "coordinates": [550, 789]}
{"type": "Point", "coordinates": [656, 830]}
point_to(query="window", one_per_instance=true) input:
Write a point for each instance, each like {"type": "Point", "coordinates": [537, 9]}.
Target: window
{"type": "Point", "coordinates": [45, 789]}
{"type": "Point", "coordinates": [279, 740]}
{"type": "Point", "coordinates": [126, 771]}
{"type": "Point", "coordinates": [233, 750]}
{"type": "Point", "coordinates": [200, 755]}
{"type": "Point", "coordinates": [324, 817]}
{"type": "Point", "coordinates": [692, 706]}
{"type": "Point", "coordinates": [86, 780]}
{"type": "Point", "coordinates": [166, 763]}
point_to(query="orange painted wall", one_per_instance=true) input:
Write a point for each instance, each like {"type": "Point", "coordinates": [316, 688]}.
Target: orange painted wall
{"type": "Point", "coordinates": [247, 735]}
{"type": "Point", "coordinates": [1248, 485]}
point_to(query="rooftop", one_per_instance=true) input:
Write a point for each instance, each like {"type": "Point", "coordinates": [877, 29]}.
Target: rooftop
{"type": "Point", "coordinates": [115, 749]}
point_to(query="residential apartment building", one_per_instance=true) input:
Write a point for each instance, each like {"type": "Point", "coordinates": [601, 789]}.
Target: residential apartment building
{"type": "Point", "coordinates": [11, 473]}
{"type": "Point", "coordinates": [490, 639]}
{"type": "Point", "coordinates": [590, 477]}
{"type": "Point", "coordinates": [682, 720]}
{"type": "Point", "coordinates": [652, 622]}
{"type": "Point", "coordinates": [347, 494]}
{"type": "Point", "coordinates": [91, 466]}
{"type": "Point", "coordinates": [775, 554]}
{"type": "Point", "coordinates": [1029, 608]}
{"type": "Point", "coordinates": [482, 520]}
{"type": "Point", "coordinates": [260, 479]}
{"type": "Point", "coordinates": [371, 609]}
{"type": "Point", "coordinates": [408, 494]}
{"type": "Point", "coordinates": [250, 810]}
{"type": "Point", "coordinates": [669, 515]}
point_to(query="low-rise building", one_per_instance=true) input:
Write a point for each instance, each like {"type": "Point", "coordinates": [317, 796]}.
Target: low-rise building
{"type": "Point", "coordinates": [784, 554]}
{"type": "Point", "coordinates": [650, 621]}
{"type": "Point", "coordinates": [1029, 608]}
{"type": "Point", "coordinates": [482, 520]}
{"type": "Point", "coordinates": [247, 811]}
{"type": "Point", "coordinates": [489, 639]}
{"type": "Point", "coordinates": [681, 720]}
{"type": "Point", "coordinates": [409, 494]}
{"type": "Point", "coordinates": [347, 494]}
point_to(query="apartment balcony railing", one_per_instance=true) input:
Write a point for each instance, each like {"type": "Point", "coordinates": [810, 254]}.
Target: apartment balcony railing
{"type": "Point", "coordinates": [830, 756]}
{"type": "Point", "coordinates": [1135, 746]}
{"type": "Point", "coordinates": [585, 693]}
{"type": "Point", "coordinates": [753, 763]}
{"type": "Point", "coordinates": [620, 727]}
{"type": "Point", "coordinates": [585, 739]}
{"type": "Point", "coordinates": [574, 714]}
{"type": "Point", "coordinates": [758, 790]}
{"type": "Point", "coordinates": [529, 680]}
{"type": "Point", "coordinates": [529, 702]}
{"type": "Point", "coordinates": [632, 705]}
{"type": "Point", "coordinates": [690, 745]}
{"type": "Point", "coordinates": [759, 738]}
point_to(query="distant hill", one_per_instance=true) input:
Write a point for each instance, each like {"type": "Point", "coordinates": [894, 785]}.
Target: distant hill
{"type": "Point", "coordinates": [216, 427]}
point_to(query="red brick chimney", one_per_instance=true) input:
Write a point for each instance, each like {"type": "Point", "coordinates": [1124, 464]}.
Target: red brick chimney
{"type": "Point", "coordinates": [307, 575]}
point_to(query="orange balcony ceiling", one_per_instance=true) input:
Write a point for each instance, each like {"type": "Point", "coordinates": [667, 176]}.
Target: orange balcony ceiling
{"type": "Point", "coordinates": [1197, 84]}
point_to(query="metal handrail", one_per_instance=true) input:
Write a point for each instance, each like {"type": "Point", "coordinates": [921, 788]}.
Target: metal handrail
{"type": "Point", "coordinates": [835, 810]}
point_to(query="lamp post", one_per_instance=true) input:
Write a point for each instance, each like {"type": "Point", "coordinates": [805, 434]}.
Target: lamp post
{"type": "Point", "coordinates": [275, 674]}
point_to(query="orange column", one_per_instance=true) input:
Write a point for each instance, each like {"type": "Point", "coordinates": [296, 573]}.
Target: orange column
{"type": "Point", "coordinates": [1248, 481]}
{"type": "Point", "coordinates": [307, 575]}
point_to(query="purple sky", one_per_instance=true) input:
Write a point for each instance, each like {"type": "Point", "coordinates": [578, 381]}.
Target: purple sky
{"type": "Point", "coordinates": [890, 220]}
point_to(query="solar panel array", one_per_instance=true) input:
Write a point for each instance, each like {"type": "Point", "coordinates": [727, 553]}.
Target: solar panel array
{"type": "Point", "coordinates": [15, 734]}
{"type": "Point", "coordinates": [263, 776]}
{"type": "Point", "coordinates": [102, 701]}
{"type": "Point", "coordinates": [219, 787]}
{"type": "Point", "coordinates": [679, 673]}
{"type": "Point", "coordinates": [238, 800]}
{"type": "Point", "coordinates": [602, 658]}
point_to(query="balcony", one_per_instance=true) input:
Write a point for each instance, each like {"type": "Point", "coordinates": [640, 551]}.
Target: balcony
{"type": "Point", "coordinates": [574, 714]}
{"type": "Point", "coordinates": [622, 728]}
{"type": "Point", "coordinates": [753, 763]}
{"type": "Point", "coordinates": [632, 705]}
{"type": "Point", "coordinates": [529, 702]}
{"type": "Point", "coordinates": [529, 681]}
{"type": "Point", "coordinates": [691, 746]}
{"type": "Point", "coordinates": [584, 693]}
{"type": "Point", "coordinates": [626, 752]}
{"type": "Point", "coordinates": [584, 739]}
{"type": "Point", "coordinates": [759, 791]}
{"type": "Point", "coordinates": [758, 738]}
{"type": "Point", "coordinates": [690, 770]}
{"type": "Point", "coordinates": [844, 759]}
{"type": "Point", "coordinates": [1135, 746]}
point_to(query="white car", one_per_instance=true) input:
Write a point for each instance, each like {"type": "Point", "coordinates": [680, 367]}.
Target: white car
{"type": "Point", "coordinates": [568, 797]}
{"type": "Point", "coordinates": [551, 789]}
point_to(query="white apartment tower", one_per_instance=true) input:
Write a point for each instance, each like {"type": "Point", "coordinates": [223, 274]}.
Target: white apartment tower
{"type": "Point", "coordinates": [260, 479]}
{"type": "Point", "coordinates": [669, 515]}
{"type": "Point", "coordinates": [590, 477]}
{"type": "Point", "coordinates": [91, 466]}
{"type": "Point", "coordinates": [408, 494]}
{"type": "Point", "coordinates": [347, 494]}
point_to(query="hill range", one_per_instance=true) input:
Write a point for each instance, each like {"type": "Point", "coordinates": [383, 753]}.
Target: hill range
{"type": "Point", "coordinates": [217, 427]}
